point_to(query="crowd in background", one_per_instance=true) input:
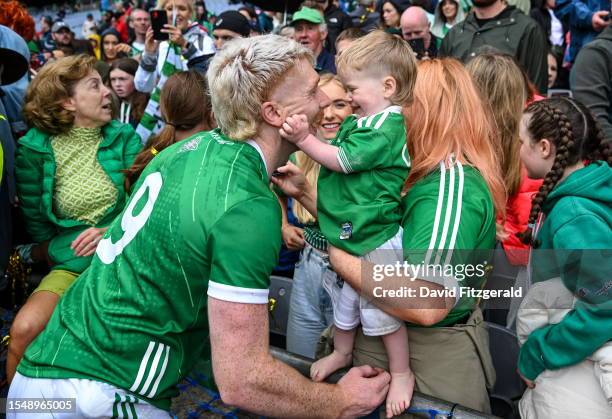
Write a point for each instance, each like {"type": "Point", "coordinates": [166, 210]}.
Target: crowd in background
{"type": "Point", "coordinates": [97, 105]}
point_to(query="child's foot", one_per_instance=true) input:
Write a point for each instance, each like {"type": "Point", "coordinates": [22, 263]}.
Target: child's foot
{"type": "Point", "coordinates": [400, 393]}
{"type": "Point", "coordinates": [321, 369]}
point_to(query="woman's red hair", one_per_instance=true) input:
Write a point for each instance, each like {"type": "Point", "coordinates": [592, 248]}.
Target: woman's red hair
{"type": "Point", "coordinates": [14, 15]}
{"type": "Point", "coordinates": [447, 117]}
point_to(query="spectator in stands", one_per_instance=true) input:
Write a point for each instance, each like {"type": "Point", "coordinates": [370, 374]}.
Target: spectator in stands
{"type": "Point", "coordinates": [310, 309]}
{"type": "Point", "coordinates": [139, 21]}
{"type": "Point", "coordinates": [193, 40]}
{"type": "Point", "coordinates": [415, 25]}
{"type": "Point", "coordinates": [555, 29]}
{"type": "Point", "coordinates": [122, 8]}
{"type": "Point", "coordinates": [553, 69]}
{"type": "Point", "coordinates": [335, 19]}
{"type": "Point", "coordinates": [365, 15]}
{"type": "Point", "coordinates": [132, 102]}
{"type": "Point", "coordinates": [346, 38]}
{"type": "Point", "coordinates": [89, 26]}
{"type": "Point", "coordinates": [450, 338]}
{"type": "Point", "coordinates": [506, 29]}
{"type": "Point", "coordinates": [215, 293]}
{"type": "Point", "coordinates": [107, 21]}
{"type": "Point", "coordinates": [204, 17]}
{"type": "Point", "coordinates": [251, 17]}
{"type": "Point", "coordinates": [185, 108]}
{"type": "Point", "coordinates": [64, 40]}
{"type": "Point", "coordinates": [562, 144]}
{"type": "Point", "coordinates": [45, 36]}
{"type": "Point", "coordinates": [502, 86]}
{"type": "Point", "coordinates": [447, 14]}
{"type": "Point", "coordinates": [230, 25]}
{"type": "Point", "coordinates": [112, 48]}
{"type": "Point", "coordinates": [311, 31]}
{"type": "Point", "coordinates": [391, 12]}
{"type": "Point", "coordinates": [69, 183]}
{"type": "Point", "coordinates": [586, 18]}
{"type": "Point", "coordinates": [592, 79]}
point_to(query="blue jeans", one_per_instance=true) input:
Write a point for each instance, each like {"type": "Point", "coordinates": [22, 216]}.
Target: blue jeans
{"type": "Point", "coordinates": [310, 308]}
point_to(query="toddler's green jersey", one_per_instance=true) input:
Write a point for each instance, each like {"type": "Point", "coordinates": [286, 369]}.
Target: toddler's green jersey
{"type": "Point", "coordinates": [359, 209]}
{"type": "Point", "coordinates": [201, 220]}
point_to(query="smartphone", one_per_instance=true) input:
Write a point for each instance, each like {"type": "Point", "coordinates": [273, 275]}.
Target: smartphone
{"type": "Point", "coordinates": [159, 18]}
{"type": "Point", "coordinates": [418, 46]}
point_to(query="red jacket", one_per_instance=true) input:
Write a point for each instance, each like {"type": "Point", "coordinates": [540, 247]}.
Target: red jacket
{"type": "Point", "coordinates": [518, 208]}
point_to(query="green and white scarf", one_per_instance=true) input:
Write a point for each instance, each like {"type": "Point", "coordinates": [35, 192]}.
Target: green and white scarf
{"type": "Point", "coordinates": [151, 122]}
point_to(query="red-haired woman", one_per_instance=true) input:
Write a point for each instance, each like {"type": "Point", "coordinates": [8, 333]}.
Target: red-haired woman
{"type": "Point", "coordinates": [451, 198]}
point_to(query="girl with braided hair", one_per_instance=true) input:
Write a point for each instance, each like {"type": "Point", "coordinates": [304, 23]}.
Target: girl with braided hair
{"type": "Point", "coordinates": [565, 319]}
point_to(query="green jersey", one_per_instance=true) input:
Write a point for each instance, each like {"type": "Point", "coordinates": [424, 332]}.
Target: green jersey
{"type": "Point", "coordinates": [201, 220]}
{"type": "Point", "coordinates": [359, 209]}
{"type": "Point", "coordinates": [449, 230]}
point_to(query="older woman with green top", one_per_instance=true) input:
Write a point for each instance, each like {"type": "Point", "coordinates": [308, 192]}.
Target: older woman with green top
{"type": "Point", "coordinates": [69, 170]}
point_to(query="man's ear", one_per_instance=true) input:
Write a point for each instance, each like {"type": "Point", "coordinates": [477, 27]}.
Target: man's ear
{"type": "Point", "coordinates": [546, 148]}
{"type": "Point", "coordinates": [389, 86]}
{"type": "Point", "coordinates": [68, 104]}
{"type": "Point", "coordinates": [272, 114]}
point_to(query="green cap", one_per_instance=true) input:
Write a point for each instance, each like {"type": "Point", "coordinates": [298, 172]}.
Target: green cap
{"type": "Point", "coordinates": [307, 14]}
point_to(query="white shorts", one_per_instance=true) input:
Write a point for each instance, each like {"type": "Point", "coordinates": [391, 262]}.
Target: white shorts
{"type": "Point", "coordinates": [92, 399]}
{"type": "Point", "coordinates": [350, 309]}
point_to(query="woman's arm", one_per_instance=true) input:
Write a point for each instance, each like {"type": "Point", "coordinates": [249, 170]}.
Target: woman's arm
{"type": "Point", "coordinates": [291, 180]}
{"type": "Point", "coordinates": [359, 274]}
{"type": "Point", "coordinates": [293, 236]}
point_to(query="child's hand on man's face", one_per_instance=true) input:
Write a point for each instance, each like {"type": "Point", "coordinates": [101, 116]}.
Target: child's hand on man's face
{"type": "Point", "coordinates": [295, 128]}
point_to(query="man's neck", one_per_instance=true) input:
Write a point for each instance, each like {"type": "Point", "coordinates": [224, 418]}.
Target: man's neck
{"type": "Point", "coordinates": [140, 39]}
{"type": "Point", "coordinates": [491, 11]}
{"type": "Point", "coordinates": [275, 150]}
{"type": "Point", "coordinates": [317, 51]}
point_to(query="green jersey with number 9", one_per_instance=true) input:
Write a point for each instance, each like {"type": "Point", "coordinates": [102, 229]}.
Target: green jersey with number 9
{"type": "Point", "coordinates": [201, 220]}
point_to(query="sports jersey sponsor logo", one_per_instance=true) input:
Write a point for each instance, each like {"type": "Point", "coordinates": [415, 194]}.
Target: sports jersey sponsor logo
{"type": "Point", "coordinates": [347, 231]}
{"type": "Point", "coordinates": [190, 145]}
{"type": "Point", "coordinates": [152, 369]}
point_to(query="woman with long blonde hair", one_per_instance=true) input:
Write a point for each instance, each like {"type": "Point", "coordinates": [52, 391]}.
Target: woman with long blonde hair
{"type": "Point", "coordinates": [503, 87]}
{"type": "Point", "coordinates": [451, 199]}
{"type": "Point", "coordinates": [310, 310]}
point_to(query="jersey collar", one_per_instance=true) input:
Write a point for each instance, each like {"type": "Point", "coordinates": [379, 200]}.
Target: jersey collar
{"type": "Point", "coordinates": [256, 146]}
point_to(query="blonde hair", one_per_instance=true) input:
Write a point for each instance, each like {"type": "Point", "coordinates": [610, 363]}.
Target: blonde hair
{"type": "Point", "coordinates": [502, 86]}
{"type": "Point", "coordinates": [54, 84]}
{"type": "Point", "coordinates": [309, 167]}
{"type": "Point", "coordinates": [242, 75]}
{"type": "Point", "coordinates": [161, 4]}
{"type": "Point", "coordinates": [386, 53]}
{"type": "Point", "coordinates": [448, 117]}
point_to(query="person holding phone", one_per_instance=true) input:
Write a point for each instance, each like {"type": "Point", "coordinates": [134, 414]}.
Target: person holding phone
{"type": "Point", "coordinates": [196, 46]}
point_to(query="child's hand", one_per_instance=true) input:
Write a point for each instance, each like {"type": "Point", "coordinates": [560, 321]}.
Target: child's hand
{"type": "Point", "coordinates": [295, 128]}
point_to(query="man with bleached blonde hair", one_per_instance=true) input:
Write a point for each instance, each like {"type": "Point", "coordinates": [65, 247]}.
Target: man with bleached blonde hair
{"type": "Point", "coordinates": [183, 273]}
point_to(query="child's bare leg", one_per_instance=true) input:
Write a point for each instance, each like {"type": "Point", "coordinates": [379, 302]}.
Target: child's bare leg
{"type": "Point", "coordinates": [341, 357]}
{"type": "Point", "coordinates": [402, 378]}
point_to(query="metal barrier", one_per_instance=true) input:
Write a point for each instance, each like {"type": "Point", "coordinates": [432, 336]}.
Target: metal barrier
{"type": "Point", "coordinates": [421, 406]}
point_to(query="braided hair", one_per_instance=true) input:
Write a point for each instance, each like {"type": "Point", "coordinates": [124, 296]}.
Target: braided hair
{"type": "Point", "coordinates": [576, 135]}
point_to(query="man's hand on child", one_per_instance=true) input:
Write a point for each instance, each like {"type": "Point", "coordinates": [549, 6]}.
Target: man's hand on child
{"type": "Point", "coordinates": [295, 128]}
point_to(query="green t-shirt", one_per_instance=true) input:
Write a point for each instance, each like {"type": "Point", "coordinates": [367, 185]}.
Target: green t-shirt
{"type": "Point", "coordinates": [449, 220]}
{"type": "Point", "coordinates": [201, 220]}
{"type": "Point", "coordinates": [359, 209]}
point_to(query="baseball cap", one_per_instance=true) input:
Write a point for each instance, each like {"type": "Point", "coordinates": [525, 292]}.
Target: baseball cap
{"type": "Point", "coordinates": [57, 26]}
{"type": "Point", "coordinates": [233, 21]}
{"type": "Point", "coordinates": [307, 14]}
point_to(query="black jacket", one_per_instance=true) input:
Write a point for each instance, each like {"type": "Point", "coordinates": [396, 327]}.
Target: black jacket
{"type": "Point", "coordinates": [592, 79]}
{"type": "Point", "coordinates": [511, 32]}
{"type": "Point", "coordinates": [337, 21]}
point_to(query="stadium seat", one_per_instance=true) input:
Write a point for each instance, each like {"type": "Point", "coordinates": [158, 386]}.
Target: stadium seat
{"type": "Point", "coordinates": [508, 389]}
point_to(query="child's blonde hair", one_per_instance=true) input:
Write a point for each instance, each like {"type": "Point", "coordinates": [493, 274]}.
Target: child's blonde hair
{"type": "Point", "coordinates": [387, 54]}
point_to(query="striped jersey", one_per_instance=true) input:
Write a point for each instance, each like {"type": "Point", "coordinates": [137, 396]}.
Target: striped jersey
{"type": "Point", "coordinates": [201, 220]}
{"type": "Point", "coordinates": [359, 209]}
{"type": "Point", "coordinates": [449, 226]}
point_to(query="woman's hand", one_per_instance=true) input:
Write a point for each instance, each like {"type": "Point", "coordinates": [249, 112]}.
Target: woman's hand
{"type": "Point", "coordinates": [529, 383]}
{"type": "Point", "coordinates": [123, 48]}
{"type": "Point", "coordinates": [151, 45]}
{"type": "Point", "coordinates": [291, 180]}
{"type": "Point", "coordinates": [293, 237]}
{"type": "Point", "coordinates": [175, 35]}
{"type": "Point", "coordinates": [85, 244]}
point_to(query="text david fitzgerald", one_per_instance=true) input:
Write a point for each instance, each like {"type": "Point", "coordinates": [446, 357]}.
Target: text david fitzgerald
{"type": "Point", "coordinates": [403, 292]}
